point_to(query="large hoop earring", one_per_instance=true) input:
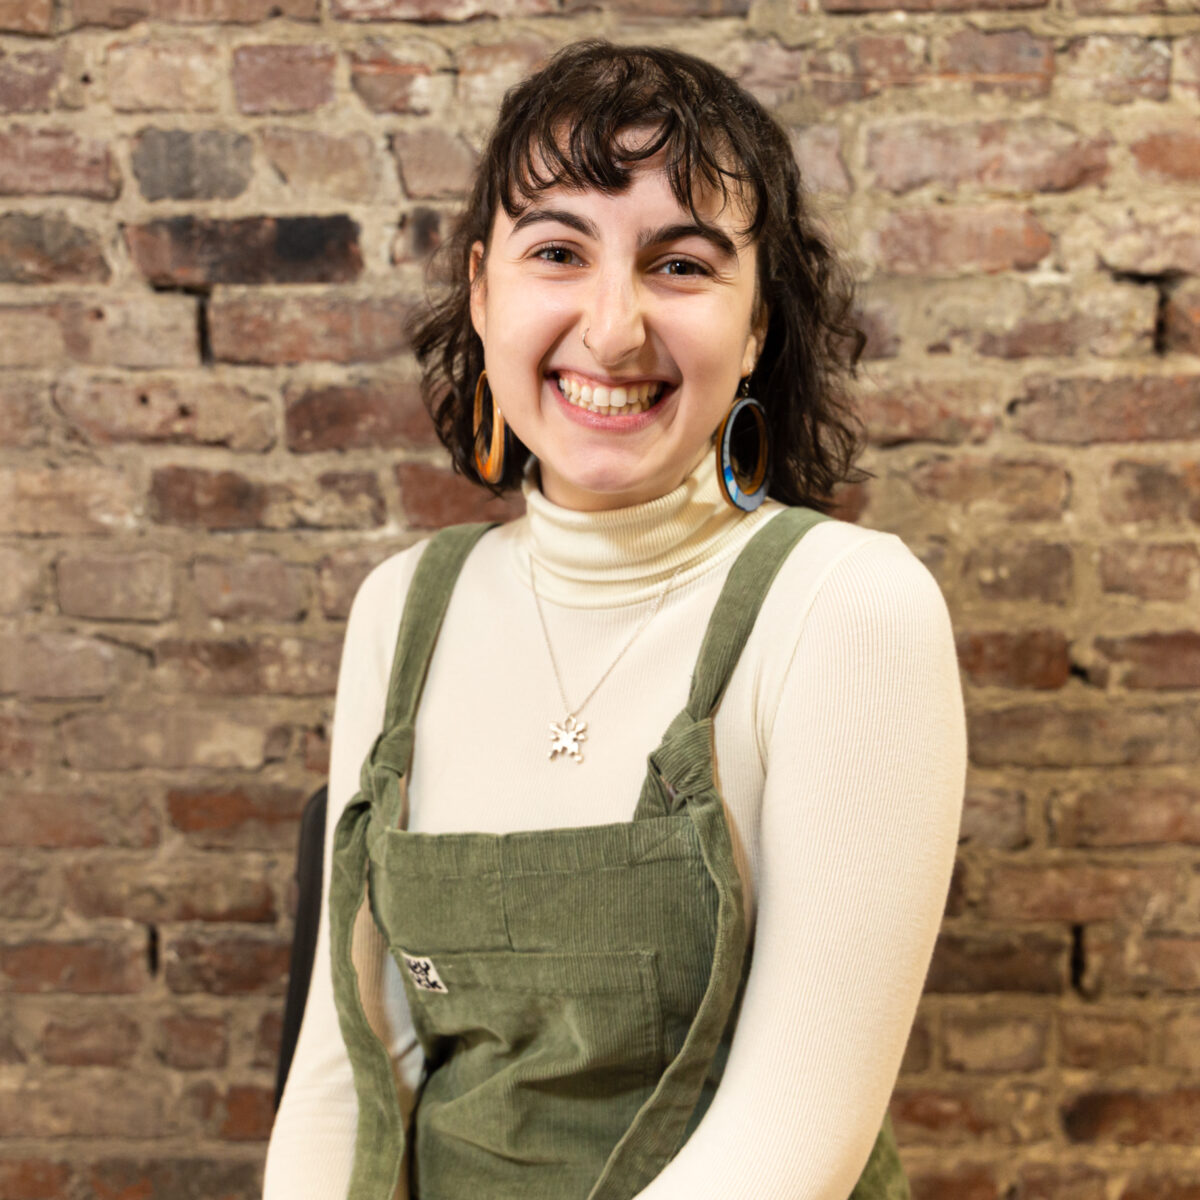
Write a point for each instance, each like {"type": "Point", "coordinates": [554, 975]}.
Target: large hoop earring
{"type": "Point", "coordinates": [746, 493]}
{"type": "Point", "coordinates": [491, 468]}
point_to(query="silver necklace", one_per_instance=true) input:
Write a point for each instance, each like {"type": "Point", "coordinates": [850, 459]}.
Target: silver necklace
{"type": "Point", "coordinates": [567, 734]}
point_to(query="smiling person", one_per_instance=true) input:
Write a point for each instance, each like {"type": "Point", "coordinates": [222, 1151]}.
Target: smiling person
{"type": "Point", "coordinates": [646, 803]}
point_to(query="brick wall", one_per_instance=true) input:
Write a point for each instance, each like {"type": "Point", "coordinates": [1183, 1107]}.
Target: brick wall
{"type": "Point", "coordinates": [213, 215]}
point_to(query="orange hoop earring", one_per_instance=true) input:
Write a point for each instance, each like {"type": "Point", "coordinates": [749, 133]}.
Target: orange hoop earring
{"type": "Point", "coordinates": [491, 468]}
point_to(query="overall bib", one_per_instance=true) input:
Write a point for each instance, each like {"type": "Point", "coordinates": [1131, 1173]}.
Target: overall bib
{"type": "Point", "coordinates": [574, 990]}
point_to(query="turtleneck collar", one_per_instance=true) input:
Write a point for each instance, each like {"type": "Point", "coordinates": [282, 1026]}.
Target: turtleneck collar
{"type": "Point", "coordinates": [625, 555]}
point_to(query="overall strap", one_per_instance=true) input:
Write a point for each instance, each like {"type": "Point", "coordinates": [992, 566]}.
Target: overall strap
{"type": "Point", "coordinates": [737, 607]}
{"type": "Point", "coordinates": [425, 607]}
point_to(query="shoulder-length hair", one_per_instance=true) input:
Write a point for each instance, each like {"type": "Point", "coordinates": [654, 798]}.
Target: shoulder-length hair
{"type": "Point", "coordinates": [564, 125]}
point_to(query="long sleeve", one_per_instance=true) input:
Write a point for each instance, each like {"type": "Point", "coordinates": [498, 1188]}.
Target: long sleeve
{"type": "Point", "coordinates": [865, 767]}
{"type": "Point", "coordinates": [311, 1152]}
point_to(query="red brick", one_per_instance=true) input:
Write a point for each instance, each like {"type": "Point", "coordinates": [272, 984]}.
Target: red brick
{"type": "Point", "coordinates": [1033, 154]}
{"type": "Point", "coordinates": [1181, 1041]}
{"type": "Point", "coordinates": [1082, 411]}
{"type": "Point", "coordinates": [959, 240]}
{"type": "Point", "coordinates": [1031, 658]}
{"type": "Point", "coordinates": [286, 78]}
{"type": "Point", "coordinates": [264, 665]}
{"type": "Point", "coordinates": [986, 1042]}
{"type": "Point", "coordinates": [116, 587]}
{"type": "Point", "coordinates": [274, 330]}
{"type": "Point", "coordinates": [1171, 154]}
{"type": "Point", "coordinates": [1038, 571]}
{"type": "Point", "coordinates": [23, 412]}
{"type": "Point", "coordinates": [226, 966]}
{"type": "Point", "coordinates": [126, 1106]}
{"type": "Point", "coordinates": [1116, 68]}
{"type": "Point", "coordinates": [1152, 491]}
{"type": "Point", "coordinates": [20, 574]}
{"type": "Point", "coordinates": [340, 573]}
{"type": "Point", "coordinates": [1182, 318]}
{"type": "Point", "coordinates": [1054, 1181]}
{"type": "Point", "coordinates": [1002, 961]}
{"type": "Point", "coordinates": [1153, 571]}
{"type": "Point", "coordinates": [192, 889]}
{"type": "Point", "coordinates": [1134, 1118]}
{"type": "Point", "coordinates": [191, 251]}
{"type": "Point", "coordinates": [99, 1039]}
{"type": "Point", "coordinates": [1130, 962]}
{"type": "Point", "coordinates": [967, 1182]}
{"type": "Point", "coordinates": [994, 817]}
{"type": "Point", "coordinates": [56, 162]}
{"type": "Point", "coordinates": [818, 151]}
{"type": "Point", "coordinates": [154, 75]}
{"type": "Point", "coordinates": [27, 16]}
{"type": "Point", "coordinates": [1080, 892]}
{"type": "Point", "coordinates": [1150, 660]}
{"type": "Point", "coordinates": [134, 331]}
{"type": "Point", "coordinates": [316, 750]}
{"type": "Point", "coordinates": [194, 497]}
{"type": "Point", "coordinates": [1149, 1185]}
{"type": "Point", "coordinates": [192, 164]}
{"type": "Point", "coordinates": [404, 76]}
{"type": "Point", "coordinates": [192, 1043]}
{"type": "Point", "coordinates": [48, 248]}
{"type": "Point", "coordinates": [1041, 736]}
{"type": "Point", "coordinates": [1135, 815]}
{"type": "Point", "coordinates": [1016, 489]}
{"type": "Point", "coordinates": [485, 71]}
{"type": "Point", "coordinates": [1147, 240]}
{"type": "Point", "coordinates": [323, 164]}
{"type": "Point", "coordinates": [96, 966]}
{"type": "Point", "coordinates": [24, 744]}
{"type": "Point", "coordinates": [173, 1179]}
{"type": "Point", "coordinates": [259, 586]}
{"type": "Point", "coordinates": [357, 415]}
{"type": "Point", "coordinates": [1097, 1042]}
{"type": "Point", "coordinates": [437, 10]}
{"type": "Point", "coordinates": [122, 13]}
{"type": "Point", "coordinates": [918, 1050]}
{"type": "Point", "coordinates": [29, 81]}
{"type": "Point", "coordinates": [432, 162]}
{"type": "Point", "coordinates": [434, 497]}
{"type": "Point", "coordinates": [1006, 1113]}
{"type": "Point", "coordinates": [166, 737]}
{"type": "Point", "coordinates": [859, 67]}
{"type": "Point", "coordinates": [1012, 62]}
{"type": "Point", "coordinates": [28, 891]}
{"type": "Point", "coordinates": [847, 6]}
{"type": "Point", "coordinates": [249, 1113]}
{"type": "Point", "coordinates": [32, 1178]}
{"type": "Point", "coordinates": [60, 666]}
{"type": "Point", "coordinates": [950, 411]}
{"type": "Point", "coordinates": [65, 819]}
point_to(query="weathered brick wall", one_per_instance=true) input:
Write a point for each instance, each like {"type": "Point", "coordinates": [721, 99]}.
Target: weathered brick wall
{"type": "Point", "coordinates": [214, 217]}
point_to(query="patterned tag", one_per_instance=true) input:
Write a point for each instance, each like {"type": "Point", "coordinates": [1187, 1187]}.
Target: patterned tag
{"type": "Point", "coordinates": [424, 974]}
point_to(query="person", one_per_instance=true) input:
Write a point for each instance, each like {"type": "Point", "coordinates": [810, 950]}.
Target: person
{"type": "Point", "coordinates": [568, 954]}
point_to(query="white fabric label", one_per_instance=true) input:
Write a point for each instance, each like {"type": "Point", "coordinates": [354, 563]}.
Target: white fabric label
{"type": "Point", "coordinates": [424, 974]}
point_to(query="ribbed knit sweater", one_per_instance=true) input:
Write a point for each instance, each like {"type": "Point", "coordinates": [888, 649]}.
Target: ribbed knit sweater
{"type": "Point", "coordinates": [841, 755]}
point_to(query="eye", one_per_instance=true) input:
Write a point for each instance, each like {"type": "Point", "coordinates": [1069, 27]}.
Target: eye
{"type": "Point", "coordinates": [562, 255]}
{"type": "Point", "coordinates": [684, 267]}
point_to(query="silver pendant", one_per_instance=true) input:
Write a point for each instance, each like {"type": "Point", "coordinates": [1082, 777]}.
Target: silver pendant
{"type": "Point", "coordinates": [565, 738]}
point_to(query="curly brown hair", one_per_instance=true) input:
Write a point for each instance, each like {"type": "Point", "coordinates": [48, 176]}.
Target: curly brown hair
{"type": "Point", "coordinates": [563, 125]}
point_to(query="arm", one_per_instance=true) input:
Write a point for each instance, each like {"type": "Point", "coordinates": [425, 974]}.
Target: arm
{"type": "Point", "coordinates": [864, 784]}
{"type": "Point", "coordinates": [311, 1151]}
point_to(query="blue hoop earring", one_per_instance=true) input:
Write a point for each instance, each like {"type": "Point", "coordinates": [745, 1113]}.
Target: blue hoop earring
{"type": "Point", "coordinates": [748, 493]}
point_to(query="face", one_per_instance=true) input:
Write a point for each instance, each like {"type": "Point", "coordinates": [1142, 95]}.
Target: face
{"type": "Point", "coordinates": [667, 308]}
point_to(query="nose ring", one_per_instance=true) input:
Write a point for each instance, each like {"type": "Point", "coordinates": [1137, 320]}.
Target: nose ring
{"type": "Point", "coordinates": [585, 341]}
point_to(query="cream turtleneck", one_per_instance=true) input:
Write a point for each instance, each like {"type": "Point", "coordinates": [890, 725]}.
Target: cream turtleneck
{"type": "Point", "coordinates": [841, 753]}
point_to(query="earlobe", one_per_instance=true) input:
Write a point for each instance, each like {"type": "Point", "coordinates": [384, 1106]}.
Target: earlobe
{"type": "Point", "coordinates": [478, 283]}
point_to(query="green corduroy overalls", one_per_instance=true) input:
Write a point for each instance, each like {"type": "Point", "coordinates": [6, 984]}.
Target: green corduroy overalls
{"type": "Point", "coordinates": [574, 990]}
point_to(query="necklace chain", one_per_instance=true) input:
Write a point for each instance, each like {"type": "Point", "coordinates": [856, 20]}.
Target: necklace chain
{"type": "Point", "coordinates": [571, 713]}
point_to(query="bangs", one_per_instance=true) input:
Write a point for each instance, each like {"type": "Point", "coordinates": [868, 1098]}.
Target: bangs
{"type": "Point", "coordinates": [605, 117]}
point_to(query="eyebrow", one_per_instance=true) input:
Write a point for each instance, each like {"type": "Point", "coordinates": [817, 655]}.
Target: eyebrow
{"type": "Point", "coordinates": [717, 238]}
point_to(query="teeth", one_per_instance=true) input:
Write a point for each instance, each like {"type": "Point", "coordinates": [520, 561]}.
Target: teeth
{"type": "Point", "coordinates": [633, 399]}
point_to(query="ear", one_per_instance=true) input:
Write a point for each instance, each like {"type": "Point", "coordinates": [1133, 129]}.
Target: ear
{"type": "Point", "coordinates": [755, 339]}
{"type": "Point", "coordinates": [478, 291]}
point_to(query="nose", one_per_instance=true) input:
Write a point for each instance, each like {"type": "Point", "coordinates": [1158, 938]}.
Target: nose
{"type": "Point", "coordinates": [614, 320]}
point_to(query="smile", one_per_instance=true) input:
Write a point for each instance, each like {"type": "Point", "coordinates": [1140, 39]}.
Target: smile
{"type": "Point", "coordinates": [616, 401]}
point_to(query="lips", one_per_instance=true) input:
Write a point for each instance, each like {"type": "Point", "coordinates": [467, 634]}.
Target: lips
{"type": "Point", "coordinates": [612, 400]}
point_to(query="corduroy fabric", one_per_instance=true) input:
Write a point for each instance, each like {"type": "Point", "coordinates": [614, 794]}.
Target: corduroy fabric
{"type": "Point", "coordinates": [586, 980]}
